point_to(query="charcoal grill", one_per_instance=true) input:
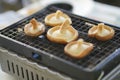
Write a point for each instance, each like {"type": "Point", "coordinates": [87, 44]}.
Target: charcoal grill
{"type": "Point", "coordinates": [104, 57]}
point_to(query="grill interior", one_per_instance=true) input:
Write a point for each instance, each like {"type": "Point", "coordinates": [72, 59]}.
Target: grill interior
{"type": "Point", "coordinates": [101, 49]}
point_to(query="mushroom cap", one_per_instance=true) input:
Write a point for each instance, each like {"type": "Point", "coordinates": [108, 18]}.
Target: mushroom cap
{"type": "Point", "coordinates": [62, 34]}
{"type": "Point", "coordinates": [78, 49]}
{"type": "Point", "coordinates": [57, 18]}
{"type": "Point", "coordinates": [101, 32]}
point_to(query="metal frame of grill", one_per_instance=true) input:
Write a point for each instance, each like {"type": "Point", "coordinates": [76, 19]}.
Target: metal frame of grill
{"type": "Point", "coordinates": [104, 57]}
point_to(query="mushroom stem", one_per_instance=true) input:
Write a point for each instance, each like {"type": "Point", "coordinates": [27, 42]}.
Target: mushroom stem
{"type": "Point", "coordinates": [79, 42]}
{"type": "Point", "coordinates": [57, 14]}
{"type": "Point", "coordinates": [34, 23]}
{"type": "Point", "coordinates": [64, 26]}
{"type": "Point", "coordinates": [101, 27]}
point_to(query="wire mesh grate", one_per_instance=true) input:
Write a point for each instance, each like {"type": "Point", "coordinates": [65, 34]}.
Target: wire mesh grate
{"type": "Point", "coordinates": [100, 52]}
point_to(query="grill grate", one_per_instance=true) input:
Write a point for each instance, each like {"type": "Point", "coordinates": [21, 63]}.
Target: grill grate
{"type": "Point", "coordinates": [100, 52]}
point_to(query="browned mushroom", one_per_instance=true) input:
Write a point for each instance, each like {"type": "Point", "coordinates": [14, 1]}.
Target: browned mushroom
{"type": "Point", "coordinates": [62, 34]}
{"type": "Point", "coordinates": [34, 28]}
{"type": "Point", "coordinates": [58, 18]}
{"type": "Point", "coordinates": [78, 49]}
{"type": "Point", "coordinates": [101, 32]}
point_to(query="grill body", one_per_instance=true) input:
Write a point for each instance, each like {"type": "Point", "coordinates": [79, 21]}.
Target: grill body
{"type": "Point", "coordinates": [114, 74]}
{"type": "Point", "coordinates": [24, 69]}
{"type": "Point", "coordinates": [104, 57]}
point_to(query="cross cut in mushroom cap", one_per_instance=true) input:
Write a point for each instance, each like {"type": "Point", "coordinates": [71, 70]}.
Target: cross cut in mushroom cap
{"type": "Point", "coordinates": [78, 49]}
{"type": "Point", "coordinates": [57, 18]}
{"type": "Point", "coordinates": [34, 28]}
{"type": "Point", "coordinates": [62, 34]}
{"type": "Point", "coordinates": [101, 32]}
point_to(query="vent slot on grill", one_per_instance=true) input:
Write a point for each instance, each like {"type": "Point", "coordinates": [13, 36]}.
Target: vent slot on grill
{"type": "Point", "coordinates": [17, 69]}
{"type": "Point", "coordinates": [22, 72]}
{"type": "Point", "coordinates": [32, 76]}
{"type": "Point", "coordinates": [27, 74]}
{"type": "Point", "coordinates": [8, 65]}
{"type": "Point", "coordinates": [37, 77]}
{"type": "Point", "coordinates": [13, 67]}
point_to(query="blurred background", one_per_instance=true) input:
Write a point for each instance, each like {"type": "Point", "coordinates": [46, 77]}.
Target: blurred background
{"type": "Point", "coordinates": [6, 5]}
{"type": "Point", "coordinates": [107, 11]}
